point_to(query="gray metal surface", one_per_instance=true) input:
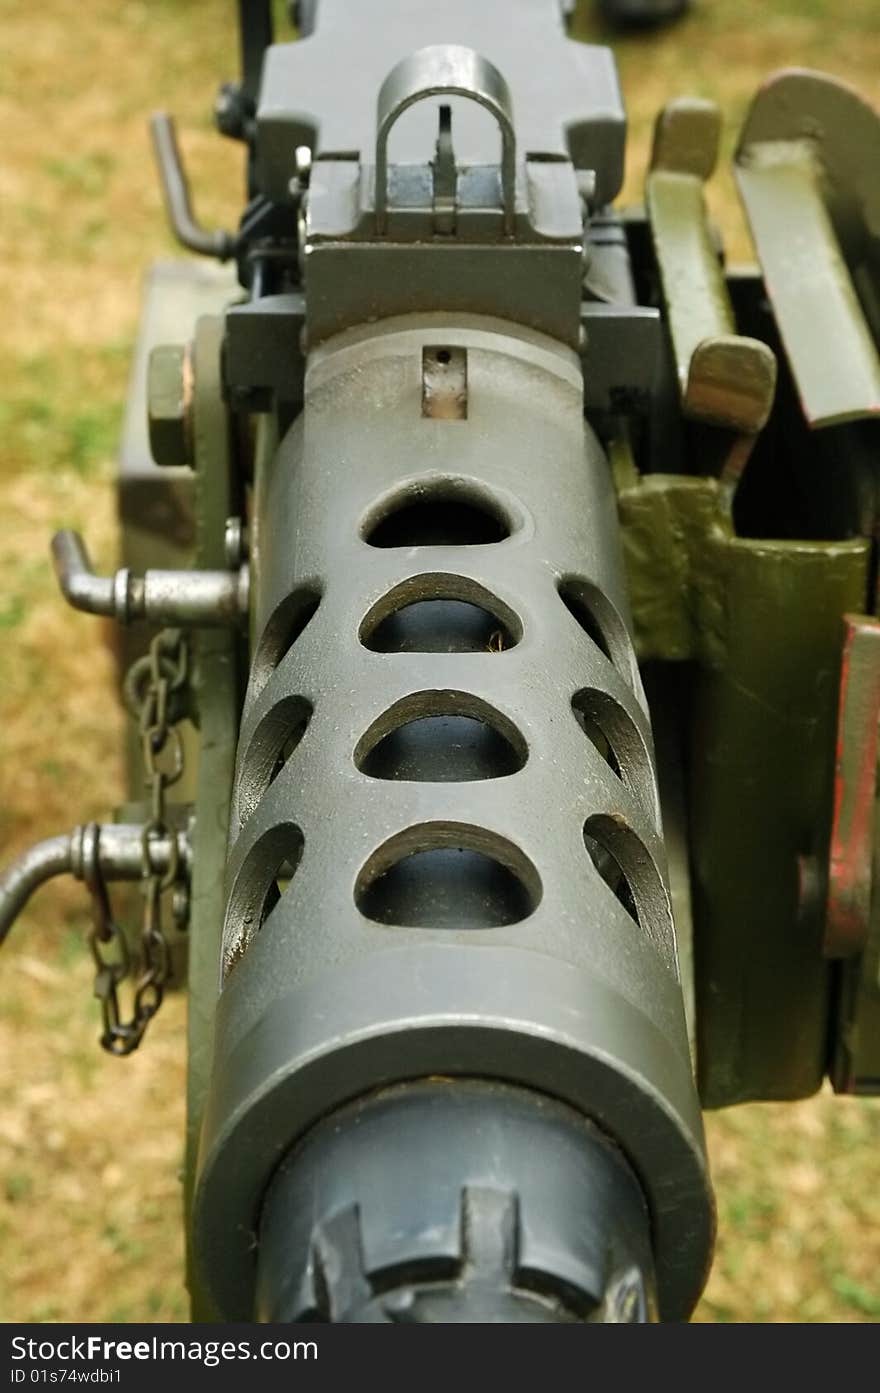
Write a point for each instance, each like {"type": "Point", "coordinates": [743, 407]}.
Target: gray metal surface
{"type": "Point", "coordinates": [578, 114]}
{"type": "Point", "coordinates": [576, 994]}
{"type": "Point", "coordinates": [218, 698]}
{"type": "Point", "coordinates": [621, 348]}
{"type": "Point", "coordinates": [525, 1212]}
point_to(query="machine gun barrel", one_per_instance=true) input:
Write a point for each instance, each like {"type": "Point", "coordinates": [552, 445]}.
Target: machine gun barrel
{"type": "Point", "coordinates": [446, 865]}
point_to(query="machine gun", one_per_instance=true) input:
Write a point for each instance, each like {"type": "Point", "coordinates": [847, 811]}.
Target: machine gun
{"type": "Point", "coordinates": [522, 641]}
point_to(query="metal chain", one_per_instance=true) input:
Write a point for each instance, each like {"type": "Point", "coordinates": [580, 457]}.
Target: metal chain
{"type": "Point", "coordinates": [154, 689]}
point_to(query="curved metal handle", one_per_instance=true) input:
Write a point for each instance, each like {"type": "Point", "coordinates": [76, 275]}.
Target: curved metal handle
{"type": "Point", "coordinates": [445, 70]}
{"type": "Point", "coordinates": [80, 585]}
{"type": "Point", "coordinates": [175, 192]}
{"type": "Point", "coordinates": [119, 848]}
{"type": "Point", "coordinates": [209, 599]}
{"type": "Point", "coordinates": [33, 868]}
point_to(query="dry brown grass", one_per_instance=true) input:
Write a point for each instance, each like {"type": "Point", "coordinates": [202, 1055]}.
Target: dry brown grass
{"type": "Point", "coordinates": [90, 1147]}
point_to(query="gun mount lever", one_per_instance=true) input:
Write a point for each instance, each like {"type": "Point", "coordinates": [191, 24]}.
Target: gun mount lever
{"type": "Point", "coordinates": [119, 848]}
{"type": "Point", "coordinates": [176, 195]}
{"type": "Point", "coordinates": [204, 599]}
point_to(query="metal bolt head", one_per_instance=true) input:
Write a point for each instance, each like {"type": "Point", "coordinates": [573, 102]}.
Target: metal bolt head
{"type": "Point", "coordinates": [180, 906]}
{"type": "Point", "coordinates": [235, 543]}
{"type": "Point", "coordinates": [229, 110]}
{"type": "Point", "coordinates": [169, 404]}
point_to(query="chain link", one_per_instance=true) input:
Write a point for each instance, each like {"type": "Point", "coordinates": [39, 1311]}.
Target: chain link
{"type": "Point", "coordinates": [155, 690]}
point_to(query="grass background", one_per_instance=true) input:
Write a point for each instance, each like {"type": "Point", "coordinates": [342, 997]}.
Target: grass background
{"type": "Point", "coordinates": [90, 1147]}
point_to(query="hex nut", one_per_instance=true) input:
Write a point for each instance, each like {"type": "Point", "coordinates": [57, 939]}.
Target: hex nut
{"type": "Point", "coordinates": [169, 404]}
